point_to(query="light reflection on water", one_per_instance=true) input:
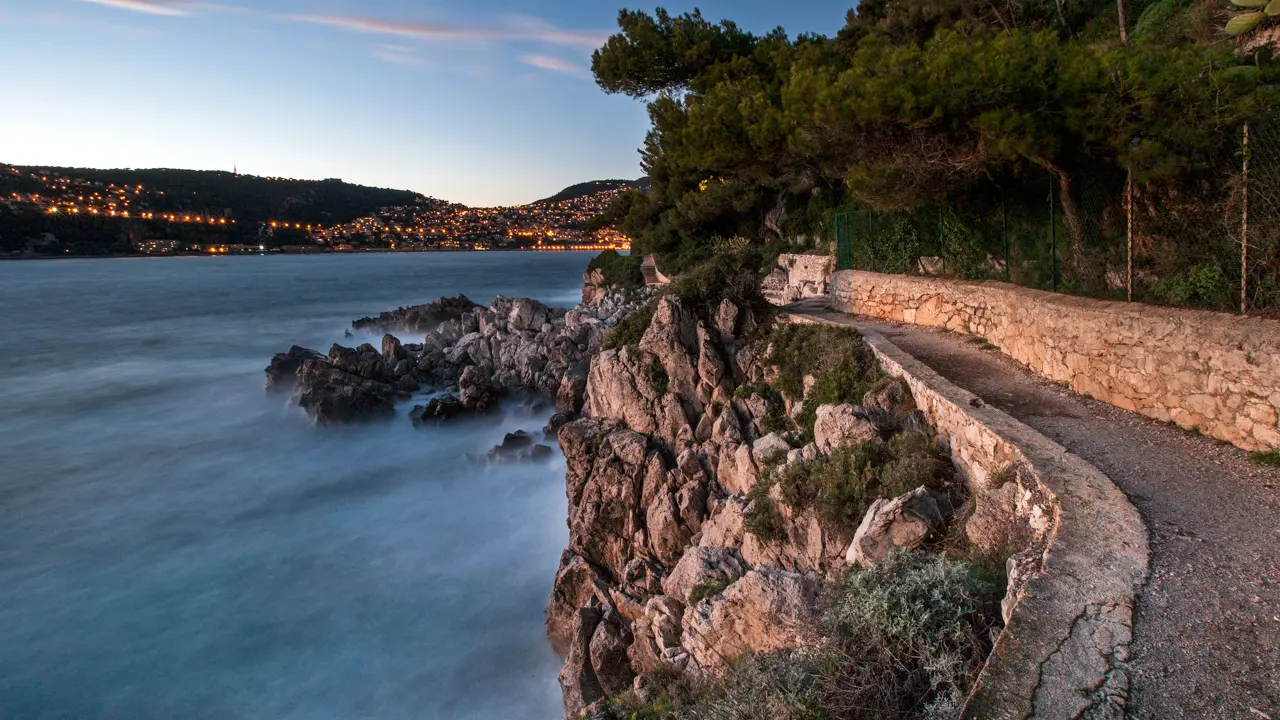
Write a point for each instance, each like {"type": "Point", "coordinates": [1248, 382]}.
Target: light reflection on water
{"type": "Point", "coordinates": [176, 543]}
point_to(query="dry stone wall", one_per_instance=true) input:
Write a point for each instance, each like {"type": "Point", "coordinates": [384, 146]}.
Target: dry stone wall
{"type": "Point", "coordinates": [797, 277]}
{"type": "Point", "coordinates": [1214, 372]}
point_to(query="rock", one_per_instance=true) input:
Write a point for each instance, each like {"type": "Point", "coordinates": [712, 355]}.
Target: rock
{"type": "Point", "coordinates": [808, 453]}
{"type": "Point", "coordinates": [282, 373]}
{"type": "Point", "coordinates": [419, 318]}
{"type": "Point", "coordinates": [727, 319]}
{"type": "Point", "coordinates": [527, 315]}
{"type": "Point", "coordinates": [558, 421]}
{"type": "Point", "coordinates": [609, 660]}
{"type": "Point", "coordinates": [540, 453]}
{"type": "Point", "coordinates": [904, 522]}
{"type": "Point", "coordinates": [701, 565]}
{"type": "Point", "coordinates": [621, 386]}
{"type": "Point", "coordinates": [393, 353]}
{"type": "Point", "coordinates": [512, 446]}
{"type": "Point", "coordinates": [892, 397]}
{"type": "Point", "coordinates": [572, 391]}
{"type": "Point", "coordinates": [841, 425]}
{"type": "Point", "coordinates": [330, 395]}
{"type": "Point", "coordinates": [726, 527]}
{"type": "Point", "coordinates": [475, 391]}
{"type": "Point", "coordinates": [577, 677]}
{"type": "Point", "coordinates": [655, 632]}
{"type": "Point", "coordinates": [766, 611]}
{"type": "Point", "coordinates": [577, 584]}
{"type": "Point", "coordinates": [445, 407]}
{"type": "Point", "coordinates": [770, 449]}
{"type": "Point", "coordinates": [737, 471]}
{"type": "Point", "coordinates": [672, 338]}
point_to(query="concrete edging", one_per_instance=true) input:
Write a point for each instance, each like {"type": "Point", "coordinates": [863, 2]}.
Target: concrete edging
{"type": "Point", "coordinates": [1064, 649]}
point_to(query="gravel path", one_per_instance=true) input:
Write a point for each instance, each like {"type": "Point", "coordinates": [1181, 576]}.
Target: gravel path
{"type": "Point", "coordinates": [1207, 632]}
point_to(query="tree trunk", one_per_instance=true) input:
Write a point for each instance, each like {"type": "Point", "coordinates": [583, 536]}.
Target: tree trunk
{"type": "Point", "coordinates": [1075, 222]}
{"type": "Point", "coordinates": [1124, 28]}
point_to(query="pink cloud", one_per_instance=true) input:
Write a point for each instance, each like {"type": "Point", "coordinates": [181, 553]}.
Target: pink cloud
{"type": "Point", "coordinates": [537, 31]}
{"type": "Point", "coordinates": [553, 64]}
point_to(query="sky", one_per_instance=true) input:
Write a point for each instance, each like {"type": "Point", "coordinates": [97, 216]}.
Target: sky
{"type": "Point", "coordinates": [484, 102]}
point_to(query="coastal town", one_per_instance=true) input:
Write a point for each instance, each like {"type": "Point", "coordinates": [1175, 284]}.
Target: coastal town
{"type": "Point", "coordinates": [41, 206]}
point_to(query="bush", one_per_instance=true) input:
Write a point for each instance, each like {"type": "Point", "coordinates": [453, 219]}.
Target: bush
{"type": "Point", "coordinates": [1201, 285]}
{"type": "Point", "coordinates": [618, 270]}
{"type": "Point", "coordinates": [733, 275]}
{"type": "Point", "coordinates": [909, 636]}
{"type": "Point", "coordinates": [837, 358]}
{"type": "Point", "coordinates": [1269, 457]}
{"type": "Point", "coordinates": [763, 518]}
{"type": "Point", "coordinates": [777, 687]}
{"type": "Point", "coordinates": [631, 329]}
{"type": "Point", "coordinates": [711, 588]}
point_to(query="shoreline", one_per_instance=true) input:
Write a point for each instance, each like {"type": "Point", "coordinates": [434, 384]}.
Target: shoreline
{"type": "Point", "coordinates": [137, 256]}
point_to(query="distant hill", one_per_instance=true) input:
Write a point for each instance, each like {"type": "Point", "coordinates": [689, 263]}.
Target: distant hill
{"type": "Point", "coordinates": [593, 188]}
{"type": "Point", "coordinates": [251, 198]}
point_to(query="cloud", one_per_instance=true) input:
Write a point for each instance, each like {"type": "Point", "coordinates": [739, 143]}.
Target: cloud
{"type": "Point", "coordinates": [521, 30]}
{"type": "Point", "coordinates": [158, 7]}
{"type": "Point", "coordinates": [400, 55]}
{"type": "Point", "coordinates": [553, 64]}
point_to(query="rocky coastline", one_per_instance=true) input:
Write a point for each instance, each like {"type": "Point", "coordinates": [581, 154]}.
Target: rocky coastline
{"type": "Point", "coordinates": [687, 551]}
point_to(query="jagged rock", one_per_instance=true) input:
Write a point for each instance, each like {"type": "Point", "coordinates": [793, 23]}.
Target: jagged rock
{"type": "Point", "coordinates": [737, 469]}
{"type": "Point", "coordinates": [445, 407]}
{"type": "Point", "coordinates": [330, 395]}
{"type": "Point", "coordinates": [419, 318]}
{"type": "Point", "coordinates": [701, 565]}
{"type": "Point", "coordinates": [711, 367]}
{"type": "Point", "coordinates": [609, 660]}
{"type": "Point", "coordinates": [766, 611]}
{"type": "Point", "coordinates": [572, 392]}
{"type": "Point", "coordinates": [519, 447]}
{"type": "Point", "coordinates": [621, 386]}
{"type": "Point", "coordinates": [726, 527]}
{"type": "Point", "coordinates": [527, 315]}
{"type": "Point", "coordinates": [840, 425]}
{"type": "Point", "coordinates": [770, 449]}
{"type": "Point", "coordinates": [282, 373]}
{"type": "Point", "coordinates": [578, 679]}
{"type": "Point", "coordinates": [904, 522]}
{"type": "Point", "coordinates": [727, 319]}
{"type": "Point", "coordinates": [393, 352]}
{"type": "Point", "coordinates": [808, 453]}
{"type": "Point", "coordinates": [672, 338]}
{"type": "Point", "coordinates": [558, 421]}
{"type": "Point", "coordinates": [576, 585]}
{"type": "Point", "coordinates": [892, 397]}
{"type": "Point", "coordinates": [364, 362]}
{"type": "Point", "coordinates": [475, 390]}
{"type": "Point", "coordinates": [655, 632]}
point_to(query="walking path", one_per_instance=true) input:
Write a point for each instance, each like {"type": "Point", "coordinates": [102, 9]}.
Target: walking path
{"type": "Point", "coordinates": [1207, 632]}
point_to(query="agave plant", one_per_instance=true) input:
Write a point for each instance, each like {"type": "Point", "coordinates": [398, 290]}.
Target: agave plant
{"type": "Point", "coordinates": [1252, 13]}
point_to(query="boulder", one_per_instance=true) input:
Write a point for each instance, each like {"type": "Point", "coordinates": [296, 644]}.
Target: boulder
{"type": "Point", "coordinates": [840, 425]}
{"type": "Point", "coordinates": [904, 522]}
{"type": "Point", "coordinates": [737, 470]}
{"type": "Point", "coordinates": [578, 679]}
{"type": "Point", "coordinates": [608, 648]}
{"type": "Point", "coordinates": [770, 449]}
{"type": "Point", "coordinates": [445, 407]}
{"type": "Point", "coordinates": [330, 395]}
{"type": "Point", "coordinates": [282, 373]}
{"type": "Point", "coordinates": [672, 338]}
{"type": "Point", "coordinates": [418, 319]}
{"type": "Point", "coordinates": [527, 315]}
{"type": "Point", "coordinates": [475, 390]}
{"type": "Point", "coordinates": [571, 393]}
{"type": "Point", "coordinates": [766, 611]}
{"type": "Point", "coordinates": [727, 319]}
{"type": "Point", "coordinates": [556, 422]}
{"type": "Point", "coordinates": [892, 397]}
{"type": "Point", "coordinates": [393, 353]}
{"type": "Point", "coordinates": [700, 566]}
{"type": "Point", "coordinates": [656, 631]}
{"type": "Point", "coordinates": [577, 585]}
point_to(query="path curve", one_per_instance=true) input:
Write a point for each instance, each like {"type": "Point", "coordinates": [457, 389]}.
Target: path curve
{"type": "Point", "coordinates": [1207, 633]}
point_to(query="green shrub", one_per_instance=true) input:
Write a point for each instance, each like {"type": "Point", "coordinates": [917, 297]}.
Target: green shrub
{"type": "Point", "coordinates": [618, 270]}
{"type": "Point", "coordinates": [1269, 457]}
{"type": "Point", "coordinates": [1201, 285]}
{"type": "Point", "coordinates": [763, 517]}
{"type": "Point", "coordinates": [776, 687]}
{"type": "Point", "coordinates": [839, 361]}
{"type": "Point", "coordinates": [631, 329]}
{"type": "Point", "coordinates": [732, 275]}
{"type": "Point", "coordinates": [910, 635]}
{"type": "Point", "coordinates": [775, 419]}
{"type": "Point", "coordinates": [711, 588]}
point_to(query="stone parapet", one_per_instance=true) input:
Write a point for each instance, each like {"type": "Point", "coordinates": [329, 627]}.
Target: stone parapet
{"type": "Point", "coordinates": [1214, 372]}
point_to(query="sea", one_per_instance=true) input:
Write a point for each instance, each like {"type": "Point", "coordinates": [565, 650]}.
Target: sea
{"type": "Point", "coordinates": [178, 544]}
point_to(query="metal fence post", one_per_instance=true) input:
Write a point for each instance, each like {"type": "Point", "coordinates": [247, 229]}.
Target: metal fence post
{"type": "Point", "coordinates": [1244, 229]}
{"type": "Point", "coordinates": [1053, 237]}
{"type": "Point", "coordinates": [1128, 204]}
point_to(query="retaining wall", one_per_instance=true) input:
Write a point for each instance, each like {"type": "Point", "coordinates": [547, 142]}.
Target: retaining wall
{"type": "Point", "coordinates": [1215, 372]}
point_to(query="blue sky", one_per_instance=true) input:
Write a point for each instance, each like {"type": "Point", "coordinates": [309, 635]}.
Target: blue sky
{"type": "Point", "coordinates": [485, 102]}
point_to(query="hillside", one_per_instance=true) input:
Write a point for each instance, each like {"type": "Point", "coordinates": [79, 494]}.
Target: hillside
{"type": "Point", "coordinates": [594, 187]}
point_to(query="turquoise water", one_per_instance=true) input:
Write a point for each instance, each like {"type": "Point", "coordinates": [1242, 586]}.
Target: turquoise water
{"type": "Point", "coordinates": [176, 543]}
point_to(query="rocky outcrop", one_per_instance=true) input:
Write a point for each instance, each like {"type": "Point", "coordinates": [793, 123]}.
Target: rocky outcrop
{"type": "Point", "coordinates": [485, 352]}
{"type": "Point", "coordinates": [766, 611]}
{"type": "Point", "coordinates": [905, 522]}
{"type": "Point", "coordinates": [839, 425]}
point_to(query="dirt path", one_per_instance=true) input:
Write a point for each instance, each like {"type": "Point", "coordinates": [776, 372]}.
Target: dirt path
{"type": "Point", "coordinates": [1207, 633]}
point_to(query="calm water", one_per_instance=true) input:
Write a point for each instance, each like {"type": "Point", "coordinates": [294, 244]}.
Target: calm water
{"type": "Point", "coordinates": [175, 543]}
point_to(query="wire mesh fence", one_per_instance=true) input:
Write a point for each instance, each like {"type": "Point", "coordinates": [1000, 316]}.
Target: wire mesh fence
{"type": "Point", "coordinates": [1208, 239]}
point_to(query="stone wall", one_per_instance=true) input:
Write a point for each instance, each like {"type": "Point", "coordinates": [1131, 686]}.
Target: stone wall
{"type": "Point", "coordinates": [1072, 592]}
{"type": "Point", "coordinates": [1214, 372]}
{"type": "Point", "coordinates": [797, 277]}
